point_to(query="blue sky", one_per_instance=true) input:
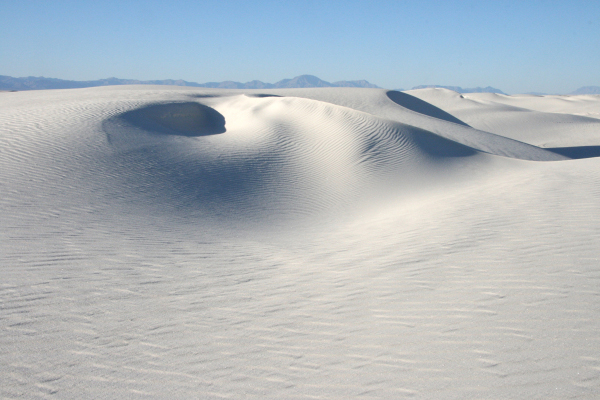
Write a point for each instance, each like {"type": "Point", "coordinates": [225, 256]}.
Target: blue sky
{"type": "Point", "coordinates": [517, 46]}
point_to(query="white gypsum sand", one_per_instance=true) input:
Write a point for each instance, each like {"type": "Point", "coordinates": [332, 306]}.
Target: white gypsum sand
{"type": "Point", "coordinates": [166, 242]}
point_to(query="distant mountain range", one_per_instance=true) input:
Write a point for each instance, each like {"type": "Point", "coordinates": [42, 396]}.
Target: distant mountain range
{"type": "Point", "coordinates": [302, 81]}
{"type": "Point", "coordinates": [587, 90]}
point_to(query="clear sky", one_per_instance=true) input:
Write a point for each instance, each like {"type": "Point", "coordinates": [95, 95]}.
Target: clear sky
{"type": "Point", "coordinates": [516, 46]}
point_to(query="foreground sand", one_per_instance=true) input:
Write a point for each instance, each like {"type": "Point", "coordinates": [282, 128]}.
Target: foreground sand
{"type": "Point", "coordinates": [164, 242]}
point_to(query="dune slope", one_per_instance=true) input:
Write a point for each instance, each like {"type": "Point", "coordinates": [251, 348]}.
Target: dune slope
{"type": "Point", "coordinates": [544, 121]}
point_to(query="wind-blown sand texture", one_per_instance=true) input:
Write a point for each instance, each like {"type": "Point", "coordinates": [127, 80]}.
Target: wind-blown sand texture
{"type": "Point", "coordinates": [160, 242]}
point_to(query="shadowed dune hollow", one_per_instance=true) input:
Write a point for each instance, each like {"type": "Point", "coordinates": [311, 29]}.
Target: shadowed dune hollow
{"type": "Point", "coordinates": [182, 119]}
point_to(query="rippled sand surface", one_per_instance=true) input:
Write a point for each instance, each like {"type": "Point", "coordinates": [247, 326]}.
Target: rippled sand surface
{"type": "Point", "coordinates": [160, 242]}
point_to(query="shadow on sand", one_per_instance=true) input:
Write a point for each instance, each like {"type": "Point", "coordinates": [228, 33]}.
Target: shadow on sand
{"type": "Point", "coordinates": [577, 152]}
{"type": "Point", "coordinates": [181, 119]}
{"type": "Point", "coordinates": [422, 107]}
{"type": "Point", "coordinates": [261, 95]}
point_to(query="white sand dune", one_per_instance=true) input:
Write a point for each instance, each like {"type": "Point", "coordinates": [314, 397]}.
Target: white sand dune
{"type": "Point", "coordinates": [545, 121]}
{"type": "Point", "coordinates": [298, 243]}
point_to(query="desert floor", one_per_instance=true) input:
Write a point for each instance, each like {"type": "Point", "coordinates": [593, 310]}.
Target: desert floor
{"type": "Point", "coordinates": [166, 242]}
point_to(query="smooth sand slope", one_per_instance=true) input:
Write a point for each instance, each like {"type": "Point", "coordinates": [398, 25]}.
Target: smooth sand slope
{"type": "Point", "coordinates": [161, 242]}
